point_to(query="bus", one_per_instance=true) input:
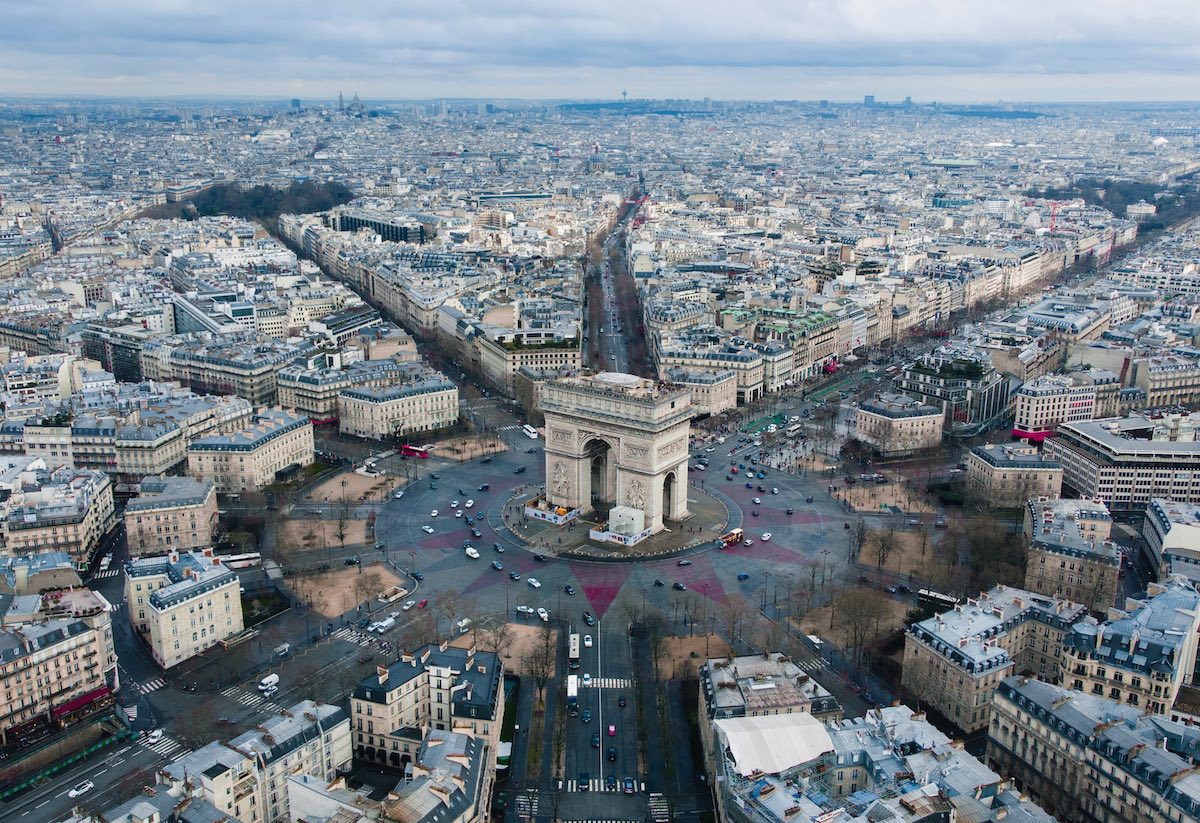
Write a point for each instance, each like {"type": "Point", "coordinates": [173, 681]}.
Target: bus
{"type": "Point", "coordinates": [573, 652]}
{"type": "Point", "coordinates": [241, 561]}
{"type": "Point", "coordinates": [794, 429]}
{"type": "Point", "coordinates": [419, 452]}
{"type": "Point", "coordinates": [573, 694]}
{"type": "Point", "coordinates": [731, 538]}
{"type": "Point", "coordinates": [936, 600]}
{"type": "Point", "coordinates": [529, 431]}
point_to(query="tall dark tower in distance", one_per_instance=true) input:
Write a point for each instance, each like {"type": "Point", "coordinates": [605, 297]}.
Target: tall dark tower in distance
{"type": "Point", "coordinates": [624, 97]}
{"type": "Point", "coordinates": [341, 102]}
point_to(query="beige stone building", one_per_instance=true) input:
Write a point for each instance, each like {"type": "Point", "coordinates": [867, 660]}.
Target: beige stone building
{"type": "Point", "coordinates": [894, 425]}
{"type": "Point", "coordinates": [760, 685]}
{"type": "Point", "coordinates": [955, 661]}
{"type": "Point", "coordinates": [713, 391]}
{"type": "Point", "coordinates": [499, 360]}
{"type": "Point", "coordinates": [1168, 381]}
{"type": "Point", "coordinates": [171, 513]}
{"type": "Point", "coordinates": [439, 688]}
{"type": "Point", "coordinates": [69, 510]}
{"type": "Point", "coordinates": [1006, 476]}
{"type": "Point", "coordinates": [424, 403]}
{"type": "Point", "coordinates": [182, 604]}
{"type": "Point", "coordinates": [1071, 553]}
{"type": "Point", "coordinates": [1043, 403]}
{"type": "Point", "coordinates": [57, 662]}
{"type": "Point", "coordinates": [248, 459]}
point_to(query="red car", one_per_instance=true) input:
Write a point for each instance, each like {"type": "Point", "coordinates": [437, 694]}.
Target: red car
{"type": "Point", "coordinates": [423, 604]}
{"type": "Point", "coordinates": [612, 731]}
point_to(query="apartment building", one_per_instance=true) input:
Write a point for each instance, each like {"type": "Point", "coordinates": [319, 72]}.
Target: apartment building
{"type": "Point", "coordinates": [1171, 530]}
{"type": "Point", "coordinates": [762, 685]}
{"type": "Point", "coordinates": [1043, 403]}
{"type": "Point", "coordinates": [955, 660]}
{"type": "Point", "coordinates": [713, 392]}
{"type": "Point", "coordinates": [1127, 461]}
{"type": "Point", "coordinates": [67, 510]}
{"type": "Point", "coordinates": [1071, 553]}
{"type": "Point", "coordinates": [433, 688]}
{"type": "Point", "coordinates": [171, 513]}
{"type": "Point", "coordinates": [1087, 759]}
{"type": "Point", "coordinates": [698, 355]}
{"type": "Point", "coordinates": [1008, 475]}
{"type": "Point", "coordinates": [501, 356]}
{"type": "Point", "coordinates": [57, 662]}
{"type": "Point", "coordinates": [33, 573]}
{"type": "Point", "coordinates": [1168, 380]}
{"type": "Point", "coordinates": [249, 459]}
{"type": "Point", "coordinates": [311, 386]}
{"type": "Point", "coordinates": [239, 364]}
{"type": "Point", "coordinates": [423, 403]}
{"type": "Point", "coordinates": [960, 381]}
{"type": "Point", "coordinates": [182, 603]}
{"type": "Point", "coordinates": [895, 425]}
{"type": "Point", "coordinates": [1141, 655]}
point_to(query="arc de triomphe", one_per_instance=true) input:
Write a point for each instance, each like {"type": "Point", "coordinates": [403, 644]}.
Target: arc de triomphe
{"type": "Point", "coordinates": [617, 438]}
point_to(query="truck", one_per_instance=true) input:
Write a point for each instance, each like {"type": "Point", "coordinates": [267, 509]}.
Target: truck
{"type": "Point", "coordinates": [268, 682]}
{"type": "Point", "coordinates": [385, 624]}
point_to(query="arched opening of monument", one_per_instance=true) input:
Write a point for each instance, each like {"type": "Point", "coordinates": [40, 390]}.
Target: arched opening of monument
{"type": "Point", "coordinates": [600, 467]}
{"type": "Point", "coordinates": [668, 508]}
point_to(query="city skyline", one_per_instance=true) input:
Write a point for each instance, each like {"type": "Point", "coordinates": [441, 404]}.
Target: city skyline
{"type": "Point", "coordinates": [931, 51]}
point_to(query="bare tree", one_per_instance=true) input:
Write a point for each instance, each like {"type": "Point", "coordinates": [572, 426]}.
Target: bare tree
{"type": "Point", "coordinates": [884, 545]}
{"type": "Point", "coordinates": [541, 659]}
{"type": "Point", "coordinates": [367, 585]}
{"type": "Point", "coordinates": [495, 636]}
{"type": "Point", "coordinates": [858, 537]}
{"type": "Point", "coordinates": [734, 615]}
{"type": "Point", "coordinates": [860, 613]}
{"type": "Point", "coordinates": [655, 624]}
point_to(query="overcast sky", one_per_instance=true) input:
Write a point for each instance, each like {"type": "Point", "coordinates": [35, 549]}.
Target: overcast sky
{"type": "Point", "coordinates": [947, 50]}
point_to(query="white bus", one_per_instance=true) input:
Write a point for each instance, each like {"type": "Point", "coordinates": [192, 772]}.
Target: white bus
{"type": "Point", "coordinates": [573, 652]}
{"type": "Point", "coordinates": [241, 561]}
{"type": "Point", "coordinates": [530, 431]}
{"type": "Point", "coordinates": [573, 694]}
{"type": "Point", "coordinates": [793, 429]}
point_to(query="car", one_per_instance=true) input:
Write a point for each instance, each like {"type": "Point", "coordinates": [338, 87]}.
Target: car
{"type": "Point", "coordinates": [586, 680]}
{"type": "Point", "coordinates": [268, 693]}
{"type": "Point", "coordinates": [890, 589]}
{"type": "Point", "coordinates": [519, 470]}
{"type": "Point", "coordinates": [469, 519]}
{"type": "Point", "coordinates": [543, 614]}
{"type": "Point", "coordinates": [476, 533]}
{"type": "Point", "coordinates": [589, 619]}
{"type": "Point", "coordinates": [774, 490]}
{"type": "Point", "coordinates": [433, 486]}
{"type": "Point", "coordinates": [524, 609]}
{"type": "Point", "coordinates": [758, 501]}
{"type": "Point", "coordinates": [743, 576]}
{"type": "Point", "coordinates": [569, 589]}
{"type": "Point", "coordinates": [595, 739]}
{"type": "Point", "coordinates": [748, 542]}
{"type": "Point", "coordinates": [435, 477]}
{"type": "Point", "coordinates": [458, 513]}
{"type": "Point", "coordinates": [469, 504]}
{"type": "Point", "coordinates": [903, 588]}
{"type": "Point", "coordinates": [791, 510]}
{"type": "Point", "coordinates": [867, 697]}
{"type": "Point", "coordinates": [684, 562]}
{"type": "Point", "coordinates": [514, 575]}
{"type": "Point", "coordinates": [366, 621]}
{"type": "Point", "coordinates": [486, 460]}
{"type": "Point", "coordinates": [750, 485]}
{"type": "Point", "coordinates": [587, 641]}
{"type": "Point", "coordinates": [610, 783]}
{"type": "Point", "coordinates": [350, 561]}
{"type": "Point", "coordinates": [423, 603]}
{"type": "Point", "coordinates": [710, 449]}
{"type": "Point", "coordinates": [766, 536]}
{"type": "Point", "coordinates": [154, 736]}
{"type": "Point", "coordinates": [762, 488]}
{"type": "Point", "coordinates": [612, 730]}
{"type": "Point", "coordinates": [471, 552]}
{"type": "Point", "coordinates": [611, 754]}
{"type": "Point", "coordinates": [679, 587]}
{"type": "Point", "coordinates": [541, 558]}
{"type": "Point", "coordinates": [534, 583]}
{"type": "Point", "coordinates": [629, 786]}
{"type": "Point", "coordinates": [81, 789]}
{"type": "Point", "coordinates": [729, 477]}
{"type": "Point", "coordinates": [408, 604]}
{"type": "Point", "coordinates": [761, 475]}
{"type": "Point", "coordinates": [659, 583]}
{"type": "Point", "coordinates": [622, 701]}
{"type": "Point", "coordinates": [484, 486]}
{"type": "Point", "coordinates": [584, 783]}
{"type": "Point", "coordinates": [498, 547]}
{"type": "Point", "coordinates": [398, 495]}
{"type": "Point", "coordinates": [433, 513]}
{"type": "Point", "coordinates": [754, 512]}
{"type": "Point", "coordinates": [427, 529]}
{"type": "Point", "coordinates": [415, 575]}
{"type": "Point", "coordinates": [497, 565]}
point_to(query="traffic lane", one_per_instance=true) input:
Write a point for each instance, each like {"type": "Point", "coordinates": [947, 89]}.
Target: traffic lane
{"type": "Point", "coordinates": [52, 802]}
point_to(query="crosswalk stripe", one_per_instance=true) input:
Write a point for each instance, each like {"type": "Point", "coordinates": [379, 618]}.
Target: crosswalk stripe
{"type": "Point", "coordinates": [131, 712]}
{"type": "Point", "coordinates": [595, 784]}
{"type": "Point", "coordinates": [183, 753]}
{"type": "Point", "coordinates": [107, 573]}
{"type": "Point", "coordinates": [152, 685]}
{"type": "Point", "coordinates": [610, 683]}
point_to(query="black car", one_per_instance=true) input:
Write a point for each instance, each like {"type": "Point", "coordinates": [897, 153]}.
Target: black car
{"type": "Point", "coordinates": [514, 575]}
{"type": "Point", "coordinates": [476, 533]}
{"type": "Point", "coordinates": [595, 739]}
{"type": "Point", "coordinates": [659, 583]}
{"type": "Point", "coordinates": [611, 753]}
{"type": "Point", "coordinates": [541, 558]}
{"type": "Point", "coordinates": [569, 589]}
{"type": "Point", "coordinates": [485, 486]}
{"type": "Point", "coordinates": [434, 477]}
{"type": "Point", "coordinates": [679, 587]}
{"type": "Point", "coordinates": [433, 486]}
{"type": "Point", "coordinates": [498, 547]}
{"type": "Point", "coordinates": [622, 701]}
{"type": "Point", "coordinates": [791, 511]}
{"type": "Point", "coordinates": [587, 618]}
{"type": "Point", "coordinates": [486, 460]}
{"type": "Point", "coordinates": [584, 782]}
{"type": "Point", "coordinates": [519, 470]}
{"type": "Point", "coordinates": [351, 561]}
{"type": "Point", "coordinates": [610, 783]}
{"type": "Point", "coordinates": [531, 451]}
{"type": "Point", "coordinates": [416, 575]}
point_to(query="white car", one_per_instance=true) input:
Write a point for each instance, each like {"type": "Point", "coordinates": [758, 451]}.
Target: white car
{"type": "Point", "coordinates": [758, 501]}
{"type": "Point", "coordinates": [469, 504]}
{"type": "Point", "coordinates": [408, 604]}
{"type": "Point", "coordinates": [154, 736]}
{"type": "Point", "coordinates": [427, 529]}
{"type": "Point", "coordinates": [545, 615]}
{"type": "Point", "coordinates": [535, 583]}
{"type": "Point", "coordinates": [587, 641]}
{"type": "Point", "coordinates": [454, 504]}
{"type": "Point", "coordinates": [83, 788]}
{"type": "Point", "coordinates": [458, 513]}
{"type": "Point", "coordinates": [774, 490]}
{"type": "Point", "coordinates": [433, 513]}
{"type": "Point", "coordinates": [766, 536]}
{"type": "Point", "coordinates": [525, 609]}
{"type": "Point", "coordinates": [398, 494]}
{"type": "Point", "coordinates": [747, 542]}
{"type": "Point", "coordinates": [710, 450]}
{"type": "Point", "coordinates": [587, 679]}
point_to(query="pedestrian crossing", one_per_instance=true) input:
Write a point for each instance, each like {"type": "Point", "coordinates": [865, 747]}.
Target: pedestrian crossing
{"type": "Point", "coordinates": [610, 683]}
{"type": "Point", "coordinates": [511, 428]}
{"type": "Point", "coordinates": [246, 698]}
{"type": "Point", "coordinates": [151, 686]}
{"type": "Point", "coordinates": [596, 784]}
{"type": "Point", "coordinates": [167, 747]}
{"type": "Point", "coordinates": [107, 573]}
{"type": "Point", "coordinates": [351, 636]}
{"type": "Point", "coordinates": [659, 808]}
{"type": "Point", "coordinates": [811, 665]}
{"type": "Point", "coordinates": [527, 806]}
{"type": "Point", "coordinates": [131, 712]}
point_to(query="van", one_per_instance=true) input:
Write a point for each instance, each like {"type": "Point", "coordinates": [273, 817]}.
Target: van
{"type": "Point", "coordinates": [721, 439]}
{"type": "Point", "coordinates": [270, 681]}
{"type": "Point", "coordinates": [385, 624]}
{"type": "Point", "coordinates": [463, 625]}
{"type": "Point", "coordinates": [282, 649]}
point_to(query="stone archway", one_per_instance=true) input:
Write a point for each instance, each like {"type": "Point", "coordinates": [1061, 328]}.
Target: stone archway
{"type": "Point", "coordinates": [668, 496]}
{"type": "Point", "coordinates": [602, 471]}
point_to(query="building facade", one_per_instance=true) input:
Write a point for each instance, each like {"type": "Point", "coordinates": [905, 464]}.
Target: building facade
{"type": "Point", "coordinates": [1071, 553]}
{"type": "Point", "coordinates": [424, 404]}
{"type": "Point", "coordinates": [171, 513]}
{"type": "Point", "coordinates": [248, 460]}
{"type": "Point", "coordinates": [895, 425]}
{"type": "Point", "coordinates": [1008, 475]}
